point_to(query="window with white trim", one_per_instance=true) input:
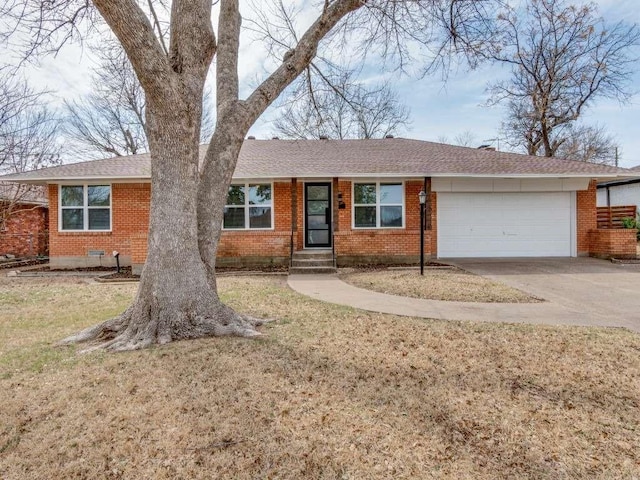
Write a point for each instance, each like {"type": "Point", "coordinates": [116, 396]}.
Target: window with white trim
{"type": "Point", "coordinates": [378, 205]}
{"type": "Point", "coordinates": [85, 207]}
{"type": "Point", "coordinates": [249, 206]}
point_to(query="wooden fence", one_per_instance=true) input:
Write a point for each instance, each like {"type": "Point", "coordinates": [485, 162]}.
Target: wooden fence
{"type": "Point", "coordinates": [611, 217]}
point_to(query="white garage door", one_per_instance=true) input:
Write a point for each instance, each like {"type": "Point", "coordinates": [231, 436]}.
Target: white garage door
{"type": "Point", "coordinates": [504, 224]}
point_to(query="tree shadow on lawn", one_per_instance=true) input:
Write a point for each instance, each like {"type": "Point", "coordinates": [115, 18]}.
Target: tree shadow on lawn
{"type": "Point", "coordinates": [332, 392]}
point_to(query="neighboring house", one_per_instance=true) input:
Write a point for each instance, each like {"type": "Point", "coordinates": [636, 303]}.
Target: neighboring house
{"type": "Point", "coordinates": [620, 192]}
{"type": "Point", "coordinates": [358, 198]}
{"type": "Point", "coordinates": [24, 220]}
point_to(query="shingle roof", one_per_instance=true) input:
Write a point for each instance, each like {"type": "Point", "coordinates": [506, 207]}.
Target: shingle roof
{"type": "Point", "coordinates": [343, 158]}
{"type": "Point", "coordinates": [31, 195]}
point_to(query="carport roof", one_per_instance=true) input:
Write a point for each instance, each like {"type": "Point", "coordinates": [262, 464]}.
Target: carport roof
{"type": "Point", "coordinates": [389, 157]}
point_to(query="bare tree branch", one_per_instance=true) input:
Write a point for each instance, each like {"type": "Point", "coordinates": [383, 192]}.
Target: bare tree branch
{"type": "Point", "coordinates": [342, 107]}
{"type": "Point", "coordinates": [131, 26]}
{"type": "Point", "coordinates": [111, 120]}
{"type": "Point", "coordinates": [589, 144]}
{"type": "Point", "coordinates": [158, 26]}
{"type": "Point", "coordinates": [28, 140]}
{"type": "Point", "coordinates": [177, 297]}
{"type": "Point", "coordinates": [227, 65]}
{"type": "Point", "coordinates": [563, 59]}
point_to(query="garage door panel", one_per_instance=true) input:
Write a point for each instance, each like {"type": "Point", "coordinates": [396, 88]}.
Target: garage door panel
{"type": "Point", "coordinates": [504, 224]}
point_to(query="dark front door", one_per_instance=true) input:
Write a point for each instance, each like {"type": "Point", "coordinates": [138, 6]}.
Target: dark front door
{"type": "Point", "coordinates": [317, 214]}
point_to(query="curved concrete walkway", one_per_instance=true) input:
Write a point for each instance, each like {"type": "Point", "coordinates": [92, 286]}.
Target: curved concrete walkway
{"type": "Point", "coordinates": [329, 288]}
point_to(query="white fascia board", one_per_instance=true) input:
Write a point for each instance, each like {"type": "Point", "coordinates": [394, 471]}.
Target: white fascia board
{"type": "Point", "coordinates": [67, 180]}
{"type": "Point", "coordinates": [138, 179]}
{"type": "Point", "coordinates": [528, 175]}
{"type": "Point", "coordinates": [440, 175]}
{"type": "Point", "coordinates": [263, 179]}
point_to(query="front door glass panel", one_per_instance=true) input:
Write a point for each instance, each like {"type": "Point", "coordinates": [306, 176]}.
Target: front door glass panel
{"type": "Point", "coordinates": [317, 215]}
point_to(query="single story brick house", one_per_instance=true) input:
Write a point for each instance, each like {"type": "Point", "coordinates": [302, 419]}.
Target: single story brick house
{"type": "Point", "coordinates": [24, 220]}
{"type": "Point", "coordinates": [356, 198]}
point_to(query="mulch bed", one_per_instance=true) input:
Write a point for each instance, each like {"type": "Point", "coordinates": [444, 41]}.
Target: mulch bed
{"type": "Point", "coordinates": [6, 264]}
{"type": "Point", "coordinates": [124, 275]}
{"type": "Point", "coordinates": [379, 267]}
{"type": "Point", "coordinates": [71, 270]}
{"type": "Point", "coordinates": [262, 269]}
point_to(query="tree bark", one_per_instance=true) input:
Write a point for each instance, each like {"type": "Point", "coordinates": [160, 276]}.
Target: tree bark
{"type": "Point", "coordinates": [175, 299]}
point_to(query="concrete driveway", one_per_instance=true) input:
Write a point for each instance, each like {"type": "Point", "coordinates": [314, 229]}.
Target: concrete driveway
{"type": "Point", "coordinates": [598, 291]}
{"type": "Point", "coordinates": [578, 291]}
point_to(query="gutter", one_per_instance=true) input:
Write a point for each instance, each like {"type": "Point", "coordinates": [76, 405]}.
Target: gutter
{"type": "Point", "coordinates": [619, 183]}
{"type": "Point", "coordinates": [146, 179]}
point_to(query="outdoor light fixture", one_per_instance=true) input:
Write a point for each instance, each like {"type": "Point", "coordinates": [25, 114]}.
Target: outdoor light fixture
{"type": "Point", "coordinates": [116, 254]}
{"type": "Point", "coordinates": [422, 196]}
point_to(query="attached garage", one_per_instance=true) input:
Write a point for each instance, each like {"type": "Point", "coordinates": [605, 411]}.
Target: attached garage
{"type": "Point", "coordinates": [506, 224]}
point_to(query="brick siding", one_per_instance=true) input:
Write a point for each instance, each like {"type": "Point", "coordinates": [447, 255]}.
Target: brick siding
{"type": "Point", "coordinates": [261, 246]}
{"type": "Point", "coordinates": [130, 203]}
{"type": "Point", "coordinates": [361, 245]}
{"type": "Point", "coordinates": [619, 243]}
{"type": "Point", "coordinates": [25, 233]}
{"type": "Point", "coordinates": [587, 217]}
{"type": "Point", "coordinates": [130, 224]}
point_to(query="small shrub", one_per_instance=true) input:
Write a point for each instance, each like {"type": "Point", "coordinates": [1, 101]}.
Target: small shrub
{"type": "Point", "coordinates": [629, 222]}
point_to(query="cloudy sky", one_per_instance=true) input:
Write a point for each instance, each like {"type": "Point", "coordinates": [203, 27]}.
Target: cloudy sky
{"type": "Point", "coordinates": [439, 108]}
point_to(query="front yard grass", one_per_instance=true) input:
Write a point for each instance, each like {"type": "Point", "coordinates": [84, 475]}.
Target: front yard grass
{"type": "Point", "coordinates": [329, 392]}
{"type": "Point", "coordinates": [436, 284]}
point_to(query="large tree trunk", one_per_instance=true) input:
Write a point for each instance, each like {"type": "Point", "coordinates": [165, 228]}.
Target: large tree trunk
{"type": "Point", "coordinates": [176, 299]}
{"type": "Point", "coordinates": [221, 159]}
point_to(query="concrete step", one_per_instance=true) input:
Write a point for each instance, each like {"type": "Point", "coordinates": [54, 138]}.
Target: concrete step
{"type": "Point", "coordinates": [313, 254]}
{"type": "Point", "coordinates": [309, 270]}
{"type": "Point", "coordinates": [311, 262]}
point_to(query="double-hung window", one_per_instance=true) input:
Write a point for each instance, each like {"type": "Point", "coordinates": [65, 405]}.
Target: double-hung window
{"type": "Point", "coordinates": [249, 206]}
{"type": "Point", "coordinates": [378, 205]}
{"type": "Point", "coordinates": [85, 207]}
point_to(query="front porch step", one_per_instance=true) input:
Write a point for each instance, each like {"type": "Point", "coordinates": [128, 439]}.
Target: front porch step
{"type": "Point", "coordinates": [313, 254]}
{"type": "Point", "coordinates": [312, 261]}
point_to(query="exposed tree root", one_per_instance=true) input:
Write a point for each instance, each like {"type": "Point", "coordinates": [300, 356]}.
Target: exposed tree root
{"type": "Point", "coordinates": [130, 331]}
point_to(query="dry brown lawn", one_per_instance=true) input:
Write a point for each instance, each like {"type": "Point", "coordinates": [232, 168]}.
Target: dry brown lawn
{"type": "Point", "coordinates": [328, 393]}
{"type": "Point", "coordinates": [437, 284]}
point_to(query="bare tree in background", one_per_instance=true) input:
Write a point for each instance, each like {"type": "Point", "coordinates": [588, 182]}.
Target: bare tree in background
{"type": "Point", "coordinates": [28, 140]}
{"type": "Point", "coordinates": [339, 107]}
{"type": "Point", "coordinates": [110, 121]}
{"type": "Point", "coordinates": [464, 139]}
{"type": "Point", "coordinates": [327, 99]}
{"type": "Point", "coordinates": [589, 144]}
{"type": "Point", "coordinates": [563, 58]}
{"type": "Point", "coordinates": [177, 296]}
